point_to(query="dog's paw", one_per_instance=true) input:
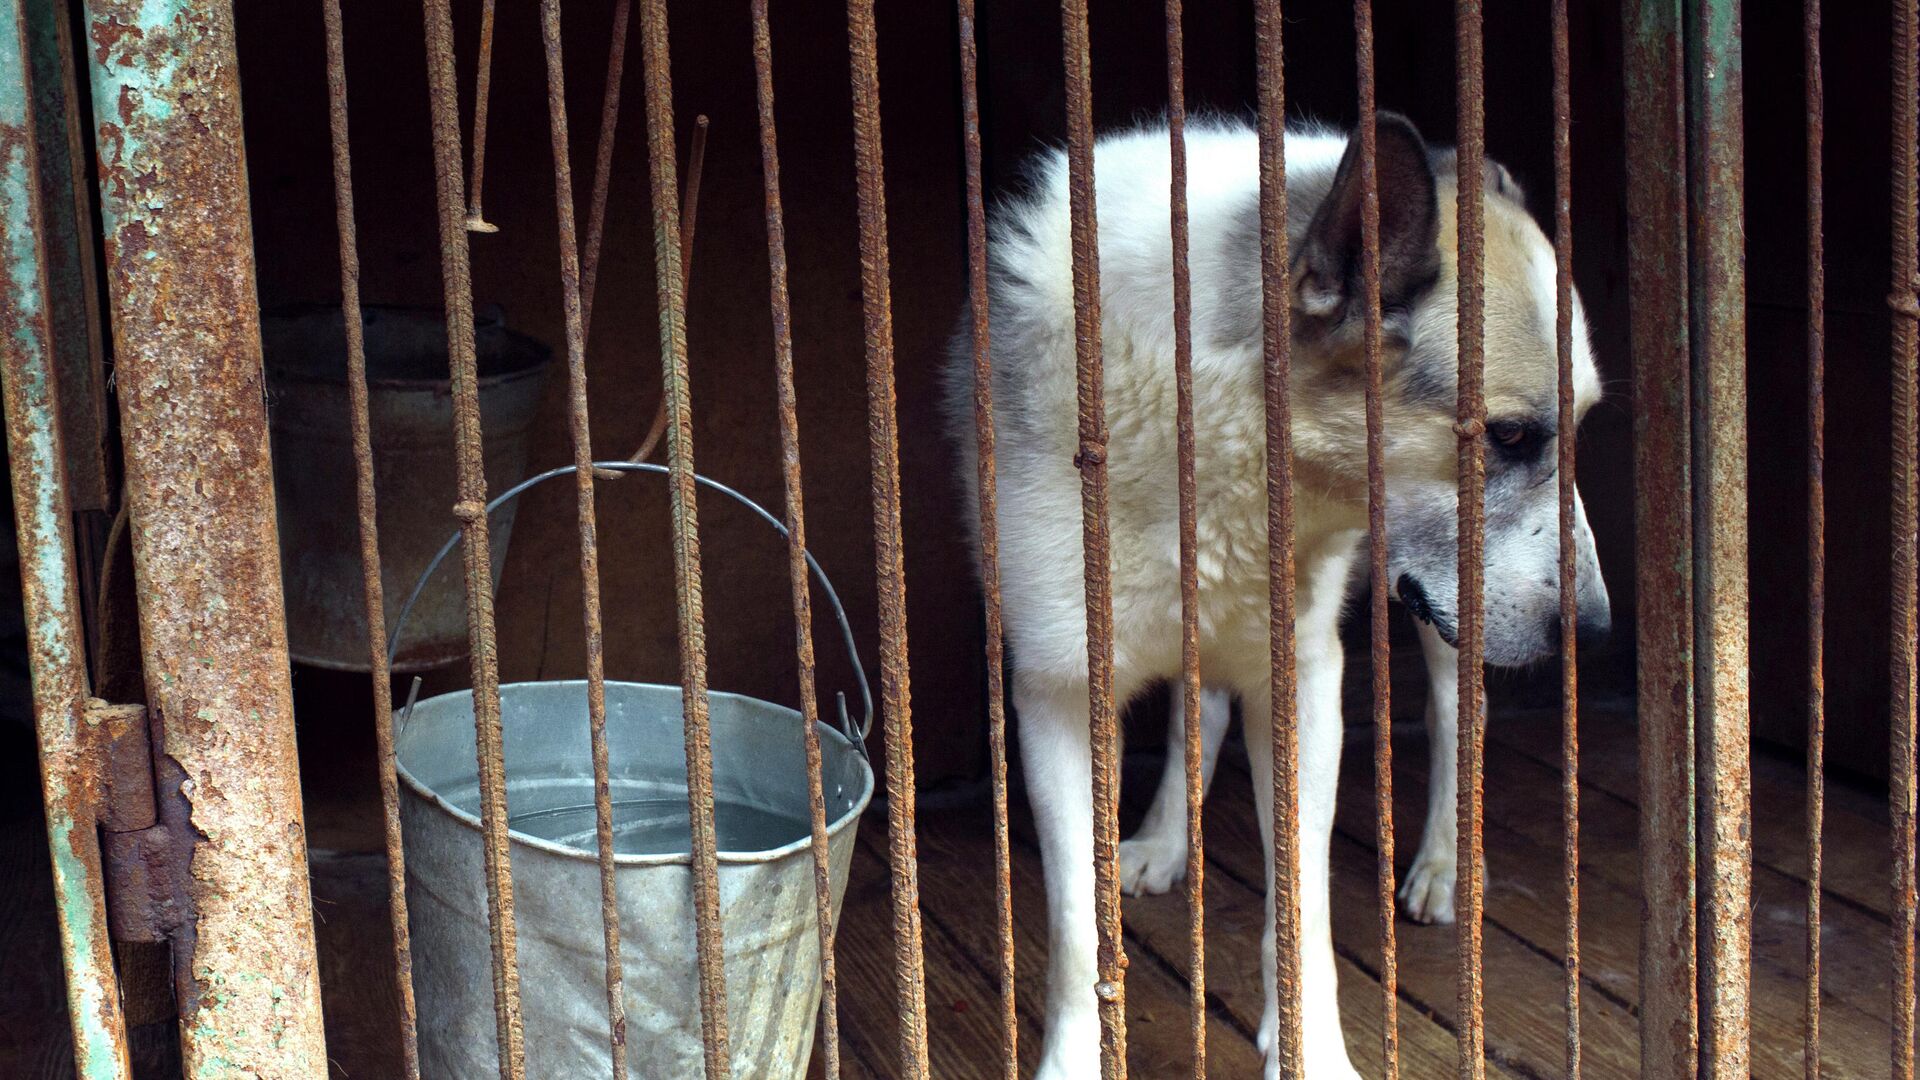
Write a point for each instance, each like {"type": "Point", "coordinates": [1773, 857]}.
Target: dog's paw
{"type": "Point", "coordinates": [1326, 1061]}
{"type": "Point", "coordinates": [1150, 865]}
{"type": "Point", "coordinates": [1427, 894]}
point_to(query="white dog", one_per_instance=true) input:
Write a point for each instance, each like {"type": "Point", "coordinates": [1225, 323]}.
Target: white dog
{"type": "Point", "coordinates": [1040, 533]}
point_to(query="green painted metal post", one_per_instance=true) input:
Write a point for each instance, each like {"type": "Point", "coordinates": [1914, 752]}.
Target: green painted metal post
{"type": "Point", "coordinates": [186, 330]}
{"type": "Point", "coordinates": [42, 514]}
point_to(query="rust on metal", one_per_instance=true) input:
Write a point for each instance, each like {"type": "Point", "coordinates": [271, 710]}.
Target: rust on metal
{"type": "Point", "coordinates": [475, 547]}
{"type": "Point", "coordinates": [73, 274]}
{"type": "Point", "coordinates": [883, 441]}
{"type": "Point", "coordinates": [1569, 579]}
{"type": "Point", "coordinates": [1470, 424]}
{"type": "Point", "coordinates": [1276, 367]}
{"type": "Point", "coordinates": [118, 744]}
{"type": "Point", "coordinates": [1718, 296]}
{"type": "Point", "coordinates": [482, 86]}
{"type": "Point", "coordinates": [603, 159]}
{"type": "Point", "coordinates": [1816, 520]}
{"type": "Point", "coordinates": [42, 515]}
{"type": "Point", "coordinates": [689, 217]}
{"type": "Point", "coordinates": [671, 290]}
{"type": "Point", "coordinates": [796, 522]}
{"type": "Point", "coordinates": [1189, 536]}
{"type": "Point", "coordinates": [588, 529]}
{"type": "Point", "coordinates": [373, 591]}
{"type": "Point", "coordinates": [1904, 300]}
{"type": "Point", "coordinates": [166, 94]}
{"type": "Point", "coordinates": [988, 479]}
{"type": "Point", "coordinates": [1090, 458]}
{"type": "Point", "coordinates": [1379, 655]}
{"type": "Point", "coordinates": [1663, 534]}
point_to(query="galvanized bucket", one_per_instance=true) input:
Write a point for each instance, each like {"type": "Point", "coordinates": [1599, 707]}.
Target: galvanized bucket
{"type": "Point", "coordinates": [411, 409]}
{"type": "Point", "coordinates": [772, 947]}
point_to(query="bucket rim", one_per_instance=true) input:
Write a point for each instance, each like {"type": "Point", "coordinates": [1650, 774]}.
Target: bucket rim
{"type": "Point", "coordinates": [589, 855]}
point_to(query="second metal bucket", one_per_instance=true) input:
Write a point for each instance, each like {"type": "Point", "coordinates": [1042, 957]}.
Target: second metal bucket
{"type": "Point", "coordinates": [762, 813]}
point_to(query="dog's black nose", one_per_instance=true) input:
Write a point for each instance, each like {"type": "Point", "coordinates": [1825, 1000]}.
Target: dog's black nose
{"type": "Point", "coordinates": [1592, 629]}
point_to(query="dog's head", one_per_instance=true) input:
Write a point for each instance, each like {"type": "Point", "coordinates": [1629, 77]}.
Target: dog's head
{"type": "Point", "coordinates": [1420, 346]}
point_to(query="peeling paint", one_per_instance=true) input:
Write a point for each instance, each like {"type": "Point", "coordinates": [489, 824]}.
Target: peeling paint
{"type": "Point", "coordinates": [41, 515]}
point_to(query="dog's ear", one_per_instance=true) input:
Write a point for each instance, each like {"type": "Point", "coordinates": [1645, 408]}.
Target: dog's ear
{"type": "Point", "coordinates": [1496, 179]}
{"type": "Point", "coordinates": [1327, 271]}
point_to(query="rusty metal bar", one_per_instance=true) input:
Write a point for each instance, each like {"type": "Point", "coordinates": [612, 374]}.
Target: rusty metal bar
{"type": "Point", "coordinates": [588, 529]}
{"type": "Point", "coordinates": [1090, 457]}
{"type": "Point", "coordinates": [66, 228]}
{"type": "Point", "coordinates": [1569, 578]}
{"type": "Point", "coordinates": [603, 160]}
{"type": "Point", "coordinates": [1378, 653]}
{"type": "Point", "coordinates": [29, 380]}
{"type": "Point", "coordinates": [1663, 535]}
{"type": "Point", "coordinates": [179, 248]}
{"type": "Point", "coordinates": [671, 289]}
{"type": "Point", "coordinates": [1470, 424]}
{"type": "Point", "coordinates": [373, 590]}
{"type": "Point", "coordinates": [1904, 299]}
{"type": "Point", "coordinates": [482, 85]}
{"type": "Point", "coordinates": [1189, 538]}
{"type": "Point", "coordinates": [883, 441]}
{"type": "Point", "coordinates": [689, 217]}
{"type": "Point", "coordinates": [788, 397]}
{"type": "Point", "coordinates": [987, 478]}
{"type": "Point", "coordinates": [1816, 520]}
{"type": "Point", "coordinates": [1276, 366]}
{"type": "Point", "coordinates": [457, 282]}
{"type": "Point", "coordinates": [1718, 295]}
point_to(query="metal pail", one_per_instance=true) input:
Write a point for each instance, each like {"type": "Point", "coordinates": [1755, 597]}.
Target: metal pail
{"type": "Point", "coordinates": [410, 405]}
{"type": "Point", "coordinates": [771, 936]}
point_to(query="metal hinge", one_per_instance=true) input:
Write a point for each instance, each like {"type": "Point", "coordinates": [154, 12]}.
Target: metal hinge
{"type": "Point", "coordinates": [145, 869]}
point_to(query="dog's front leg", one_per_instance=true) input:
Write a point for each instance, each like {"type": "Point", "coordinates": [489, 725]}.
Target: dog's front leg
{"type": "Point", "coordinates": [1055, 748]}
{"type": "Point", "coordinates": [1427, 894]}
{"type": "Point", "coordinates": [1155, 857]}
{"type": "Point", "coordinates": [1325, 1046]}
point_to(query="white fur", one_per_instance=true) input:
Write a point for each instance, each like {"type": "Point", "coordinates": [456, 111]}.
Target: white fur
{"type": "Point", "coordinates": [1040, 523]}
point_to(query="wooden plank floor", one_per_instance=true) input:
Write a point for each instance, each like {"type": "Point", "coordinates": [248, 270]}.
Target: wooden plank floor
{"type": "Point", "coordinates": [1523, 933]}
{"type": "Point", "coordinates": [1524, 929]}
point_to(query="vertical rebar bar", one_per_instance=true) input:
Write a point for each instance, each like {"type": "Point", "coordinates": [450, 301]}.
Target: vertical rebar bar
{"type": "Point", "coordinates": [373, 591]}
{"type": "Point", "coordinates": [671, 288]}
{"type": "Point", "coordinates": [482, 87]}
{"type": "Point", "coordinates": [1718, 294]}
{"type": "Point", "coordinates": [475, 546]}
{"type": "Point", "coordinates": [1378, 648]}
{"type": "Point", "coordinates": [1816, 520]}
{"type": "Point", "coordinates": [603, 160]}
{"type": "Point", "coordinates": [788, 399]}
{"type": "Point", "coordinates": [1090, 457]}
{"type": "Point", "coordinates": [1470, 424]}
{"type": "Point", "coordinates": [987, 478]}
{"type": "Point", "coordinates": [1189, 537]}
{"type": "Point", "coordinates": [588, 528]}
{"type": "Point", "coordinates": [1569, 578]}
{"type": "Point", "coordinates": [1904, 298]}
{"type": "Point", "coordinates": [883, 441]}
{"type": "Point", "coordinates": [42, 516]}
{"type": "Point", "coordinates": [1663, 535]}
{"type": "Point", "coordinates": [1276, 367]}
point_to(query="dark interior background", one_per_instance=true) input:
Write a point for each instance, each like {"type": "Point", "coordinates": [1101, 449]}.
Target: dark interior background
{"type": "Point", "coordinates": [748, 621]}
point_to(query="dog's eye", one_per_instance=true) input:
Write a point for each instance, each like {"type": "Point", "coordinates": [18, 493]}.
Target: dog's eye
{"type": "Point", "coordinates": [1516, 439]}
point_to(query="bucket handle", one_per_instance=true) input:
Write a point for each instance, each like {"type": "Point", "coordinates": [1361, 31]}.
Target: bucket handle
{"type": "Point", "coordinates": [833, 599]}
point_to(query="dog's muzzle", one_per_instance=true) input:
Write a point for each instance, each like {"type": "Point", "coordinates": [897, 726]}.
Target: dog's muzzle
{"type": "Point", "coordinates": [1415, 598]}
